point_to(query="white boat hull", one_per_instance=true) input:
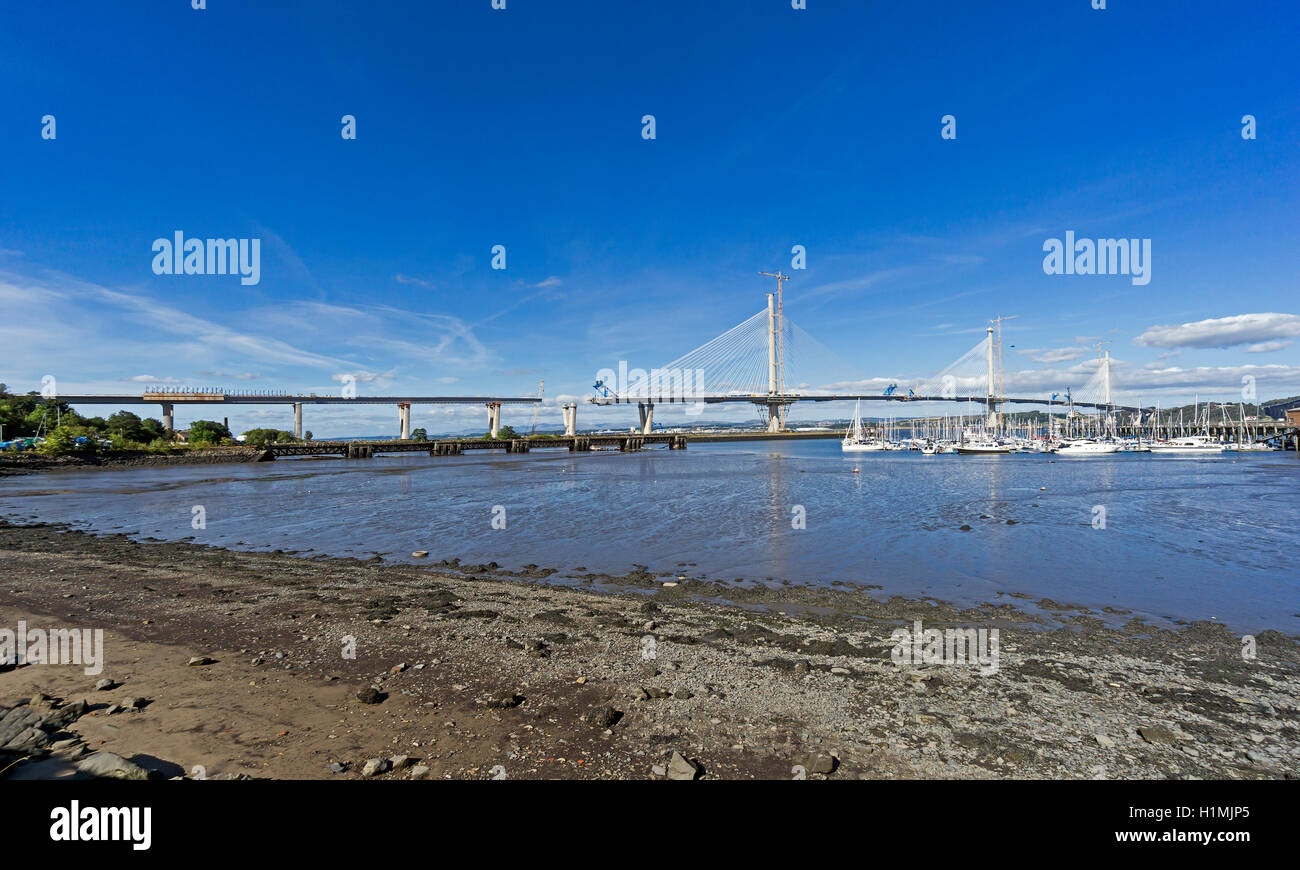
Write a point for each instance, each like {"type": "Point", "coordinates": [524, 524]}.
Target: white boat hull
{"type": "Point", "coordinates": [1087, 449]}
{"type": "Point", "coordinates": [850, 447]}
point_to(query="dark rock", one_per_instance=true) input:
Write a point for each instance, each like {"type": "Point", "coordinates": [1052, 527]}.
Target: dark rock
{"type": "Point", "coordinates": [371, 695]}
{"type": "Point", "coordinates": [603, 717]}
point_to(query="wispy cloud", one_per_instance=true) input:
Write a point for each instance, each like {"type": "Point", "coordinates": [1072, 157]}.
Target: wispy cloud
{"type": "Point", "coordinates": [1053, 355]}
{"type": "Point", "coordinates": [419, 282]}
{"type": "Point", "coordinates": [1221, 332]}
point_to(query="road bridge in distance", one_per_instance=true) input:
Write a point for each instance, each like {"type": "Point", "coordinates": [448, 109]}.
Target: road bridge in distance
{"type": "Point", "coordinates": [169, 399]}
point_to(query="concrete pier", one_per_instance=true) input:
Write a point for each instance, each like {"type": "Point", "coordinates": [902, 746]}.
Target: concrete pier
{"type": "Point", "coordinates": [647, 411]}
{"type": "Point", "coordinates": [297, 420]}
{"type": "Point", "coordinates": [494, 419]}
{"type": "Point", "coordinates": [570, 412]}
{"type": "Point", "coordinates": [168, 418]}
{"type": "Point", "coordinates": [404, 420]}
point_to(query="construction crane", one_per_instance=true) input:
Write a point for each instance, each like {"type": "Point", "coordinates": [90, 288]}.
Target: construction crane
{"type": "Point", "coordinates": [537, 409]}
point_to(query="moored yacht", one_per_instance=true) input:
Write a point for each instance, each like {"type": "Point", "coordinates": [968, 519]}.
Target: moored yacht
{"type": "Point", "coordinates": [1086, 447]}
{"type": "Point", "coordinates": [855, 440]}
{"type": "Point", "coordinates": [982, 446]}
{"type": "Point", "coordinates": [1187, 444]}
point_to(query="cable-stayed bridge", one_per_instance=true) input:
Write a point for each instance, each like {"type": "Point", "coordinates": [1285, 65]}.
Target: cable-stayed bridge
{"type": "Point", "coordinates": [757, 359]}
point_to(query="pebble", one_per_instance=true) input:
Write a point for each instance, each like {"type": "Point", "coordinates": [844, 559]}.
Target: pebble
{"type": "Point", "coordinates": [682, 768]}
{"type": "Point", "coordinates": [376, 766]}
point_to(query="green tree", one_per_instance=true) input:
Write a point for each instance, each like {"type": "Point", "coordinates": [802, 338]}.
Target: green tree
{"type": "Point", "coordinates": [263, 437]}
{"type": "Point", "coordinates": [152, 428]}
{"type": "Point", "coordinates": [208, 432]}
{"type": "Point", "coordinates": [129, 426]}
{"type": "Point", "coordinates": [420, 435]}
{"type": "Point", "coordinates": [63, 439]}
{"type": "Point", "coordinates": [28, 414]}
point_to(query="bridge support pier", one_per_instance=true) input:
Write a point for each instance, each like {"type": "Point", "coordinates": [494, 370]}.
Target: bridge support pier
{"type": "Point", "coordinates": [774, 418]}
{"type": "Point", "coordinates": [647, 411]}
{"type": "Point", "coordinates": [297, 420]}
{"type": "Point", "coordinates": [494, 418]}
{"type": "Point", "coordinates": [168, 418]}
{"type": "Point", "coordinates": [570, 412]}
{"type": "Point", "coordinates": [404, 420]}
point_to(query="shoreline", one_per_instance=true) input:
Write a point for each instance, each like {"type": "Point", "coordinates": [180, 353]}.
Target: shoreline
{"type": "Point", "coordinates": [33, 463]}
{"type": "Point", "coordinates": [552, 681]}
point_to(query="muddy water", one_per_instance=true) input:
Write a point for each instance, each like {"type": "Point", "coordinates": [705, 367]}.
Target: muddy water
{"type": "Point", "coordinates": [1182, 537]}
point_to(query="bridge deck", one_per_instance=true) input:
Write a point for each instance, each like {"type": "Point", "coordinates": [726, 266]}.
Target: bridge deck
{"type": "Point", "coordinates": [454, 446]}
{"type": "Point", "coordinates": [237, 399]}
{"type": "Point", "coordinates": [791, 398]}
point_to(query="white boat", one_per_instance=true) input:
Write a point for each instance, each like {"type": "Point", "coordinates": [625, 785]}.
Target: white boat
{"type": "Point", "coordinates": [1087, 447]}
{"type": "Point", "coordinates": [1249, 447]}
{"type": "Point", "coordinates": [855, 440]}
{"type": "Point", "coordinates": [1187, 444]}
{"type": "Point", "coordinates": [982, 446]}
{"type": "Point", "coordinates": [929, 449]}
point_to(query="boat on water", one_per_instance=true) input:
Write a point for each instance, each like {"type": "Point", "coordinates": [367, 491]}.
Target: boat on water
{"type": "Point", "coordinates": [1195, 444]}
{"type": "Point", "coordinates": [855, 440]}
{"type": "Point", "coordinates": [1087, 447]}
{"type": "Point", "coordinates": [1250, 447]}
{"type": "Point", "coordinates": [982, 447]}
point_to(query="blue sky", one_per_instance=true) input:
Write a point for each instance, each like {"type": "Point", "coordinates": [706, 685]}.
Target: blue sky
{"type": "Point", "coordinates": [522, 128]}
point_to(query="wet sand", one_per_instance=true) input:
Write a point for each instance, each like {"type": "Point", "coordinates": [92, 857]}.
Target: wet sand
{"type": "Point", "coordinates": [479, 673]}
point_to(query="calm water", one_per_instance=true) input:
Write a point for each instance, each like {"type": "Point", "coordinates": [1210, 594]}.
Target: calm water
{"type": "Point", "coordinates": [1187, 538]}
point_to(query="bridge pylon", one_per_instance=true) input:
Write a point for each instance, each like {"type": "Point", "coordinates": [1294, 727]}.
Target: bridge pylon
{"type": "Point", "coordinates": [646, 410]}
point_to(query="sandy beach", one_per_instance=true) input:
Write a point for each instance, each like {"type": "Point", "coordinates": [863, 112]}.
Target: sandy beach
{"type": "Point", "coordinates": [328, 668]}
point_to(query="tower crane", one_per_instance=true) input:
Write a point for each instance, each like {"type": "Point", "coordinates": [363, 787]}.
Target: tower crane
{"type": "Point", "coordinates": [537, 409]}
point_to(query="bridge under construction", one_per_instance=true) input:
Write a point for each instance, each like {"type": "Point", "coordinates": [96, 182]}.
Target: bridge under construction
{"type": "Point", "coordinates": [748, 364]}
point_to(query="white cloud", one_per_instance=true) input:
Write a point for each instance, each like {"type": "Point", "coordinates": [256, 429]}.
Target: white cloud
{"type": "Point", "coordinates": [363, 377]}
{"type": "Point", "coordinates": [1268, 346]}
{"type": "Point", "coordinates": [1223, 332]}
{"type": "Point", "coordinates": [419, 282]}
{"type": "Point", "coordinates": [1054, 355]}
